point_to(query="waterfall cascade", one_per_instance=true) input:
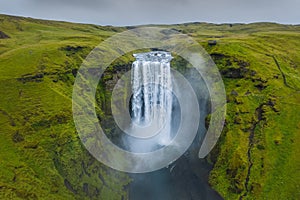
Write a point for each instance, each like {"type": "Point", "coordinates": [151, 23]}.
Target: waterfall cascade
{"type": "Point", "coordinates": [151, 102]}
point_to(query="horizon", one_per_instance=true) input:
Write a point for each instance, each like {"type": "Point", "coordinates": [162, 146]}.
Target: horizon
{"type": "Point", "coordinates": [158, 24]}
{"type": "Point", "coordinates": [144, 12]}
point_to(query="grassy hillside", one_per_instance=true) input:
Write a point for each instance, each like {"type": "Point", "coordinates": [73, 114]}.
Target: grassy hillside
{"type": "Point", "coordinates": [41, 157]}
{"type": "Point", "coordinates": [257, 156]}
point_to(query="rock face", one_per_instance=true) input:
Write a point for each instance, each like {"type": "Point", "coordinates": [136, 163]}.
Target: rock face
{"type": "Point", "coordinates": [232, 67]}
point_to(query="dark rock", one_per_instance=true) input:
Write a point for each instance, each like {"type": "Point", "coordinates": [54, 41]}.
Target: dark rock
{"type": "Point", "coordinates": [242, 63]}
{"type": "Point", "coordinates": [252, 73]}
{"type": "Point", "coordinates": [74, 72]}
{"type": "Point", "coordinates": [212, 42]}
{"type": "Point", "coordinates": [69, 186]}
{"type": "Point", "coordinates": [234, 72]}
{"type": "Point", "coordinates": [228, 99]}
{"type": "Point", "coordinates": [207, 121]}
{"type": "Point", "coordinates": [85, 188]}
{"type": "Point", "coordinates": [122, 68]}
{"type": "Point", "coordinates": [238, 101]}
{"type": "Point", "coordinates": [40, 75]}
{"type": "Point", "coordinates": [248, 92]}
{"type": "Point", "coordinates": [260, 86]}
{"type": "Point", "coordinates": [260, 113]}
{"type": "Point", "coordinates": [277, 142]}
{"type": "Point", "coordinates": [73, 49]}
{"type": "Point", "coordinates": [3, 35]}
{"type": "Point", "coordinates": [234, 93]}
{"type": "Point", "coordinates": [102, 179]}
{"type": "Point", "coordinates": [31, 78]}
{"type": "Point", "coordinates": [218, 56]}
{"type": "Point", "coordinates": [17, 137]}
{"type": "Point", "coordinates": [31, 145]}
{"type": "Point", "coordinates": [85, 170]}
{"type": "Point", "coordinates": [237, 120]}
{"type": "Point", "coordinates": [271, 102]}
{"type": "Point", "coordinates": [260, 147]}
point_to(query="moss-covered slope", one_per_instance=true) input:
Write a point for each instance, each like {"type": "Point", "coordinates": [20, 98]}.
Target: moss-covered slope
{"type": "Point", "coordinates": [41, 155]}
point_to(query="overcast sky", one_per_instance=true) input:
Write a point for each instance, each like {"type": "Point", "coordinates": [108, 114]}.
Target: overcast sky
{"type": "Point", "coordinates": [135, 12]}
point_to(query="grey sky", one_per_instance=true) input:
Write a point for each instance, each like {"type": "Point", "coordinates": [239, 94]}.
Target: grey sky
{"type": "Point", "coordinates": [133, 12]}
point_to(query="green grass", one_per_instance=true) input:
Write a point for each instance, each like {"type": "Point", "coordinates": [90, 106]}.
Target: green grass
{"type": "Point", "coordinates": [47, 160]}
{"type": "Point", "coordinates": [274, 149]}
{"type": "Point", "coordinates": [41, 156]}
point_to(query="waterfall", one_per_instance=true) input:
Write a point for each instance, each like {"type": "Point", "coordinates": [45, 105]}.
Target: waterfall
{"type": "Point", "coordinates": [151, 102]}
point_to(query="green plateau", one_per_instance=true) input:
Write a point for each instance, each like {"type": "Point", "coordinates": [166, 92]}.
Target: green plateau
{"type": "Point", "coordinates": [42, 157]}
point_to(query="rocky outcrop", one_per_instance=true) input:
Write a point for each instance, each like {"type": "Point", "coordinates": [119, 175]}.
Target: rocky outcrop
{"type": "Point", "coordinates": [232, 67]}
{"type": "Point", "coordinates": [3, 35]}
{"type": "Point", "coordinates": [31, 78]}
